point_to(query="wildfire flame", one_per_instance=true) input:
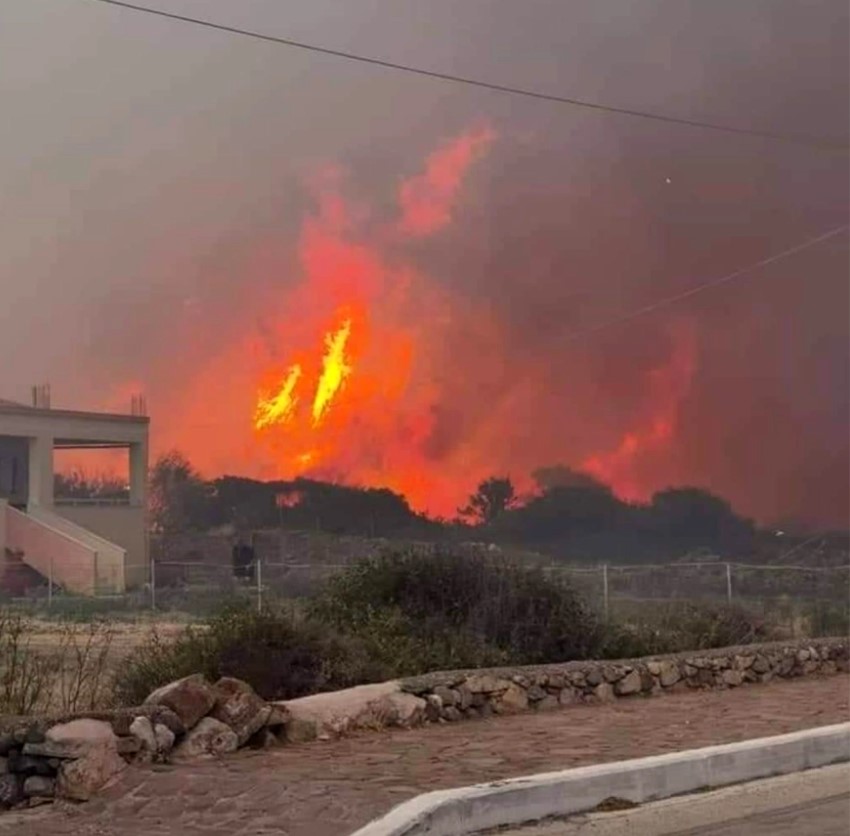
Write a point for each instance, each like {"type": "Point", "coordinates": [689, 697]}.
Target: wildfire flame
{"type": "Point", "coordinates": [368, 370]}
{"type": "Point", "coordinates": [668, 384]}
{"type": "Point", "coordinates": [335, 370]}
{"type": "Point", "coordinates": [279, 408]}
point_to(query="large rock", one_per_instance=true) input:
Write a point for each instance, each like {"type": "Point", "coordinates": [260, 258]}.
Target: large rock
{"type": "Point", "coordinates": [486, 684]}
{"type": "Point", "coordinates": [122, 718]}
{"type": "Point", "coordinates": [80, 779]}
{"type": "Point", "coordinates": [22, 764]}
{"type": "Point", "coordinates": [512, 701]}
{"type": "Point", "coordinates": [629, 684]}
{"type": "Point", "coordinates": [669, 675]}
{"type": "Point", "coordinates": [38, 786]}
{"type": "Point", "coordinates": [239, 707]}
{"type": "Point", "coordinates": [164, 739]}
{"type": "Point", "coordinates": [190, 698]}
{"type": "Point", "coordinates": [142, 730]}
{"type": "Point", "coordinates": [209, 738]}
{"type": "Point", "coordinates": [11, 790]}
{"type": "Point", "coordinates": [73, 739]}
{"type": "Point", "coordinates": [334, 714]}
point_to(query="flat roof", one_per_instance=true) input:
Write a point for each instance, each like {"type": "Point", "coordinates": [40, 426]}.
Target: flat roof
{"type": "Point", "coordinates": [21, 409]}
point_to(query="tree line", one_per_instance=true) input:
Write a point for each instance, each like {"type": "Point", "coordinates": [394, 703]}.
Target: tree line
{"type": "Point", "coordinates": [572, 516]}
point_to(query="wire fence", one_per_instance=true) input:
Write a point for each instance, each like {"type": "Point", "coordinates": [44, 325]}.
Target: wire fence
{"type": "Point", "coordinates": [198, 587]}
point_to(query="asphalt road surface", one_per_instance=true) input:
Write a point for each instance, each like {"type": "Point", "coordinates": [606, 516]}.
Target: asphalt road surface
{"type": "Point", "coordinates": [813, 803]}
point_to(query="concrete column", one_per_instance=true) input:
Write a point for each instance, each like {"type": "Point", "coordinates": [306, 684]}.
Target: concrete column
{"type": "Point", "coordinates": [41, 471]}
{"type": "Point", "coordinates": [139, 473]}
{"type": "Point", "coordinates": [3, 505]}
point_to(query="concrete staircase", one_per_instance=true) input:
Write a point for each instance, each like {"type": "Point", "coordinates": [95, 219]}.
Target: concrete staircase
{"type": "Point", "coordinates": [69, 556]}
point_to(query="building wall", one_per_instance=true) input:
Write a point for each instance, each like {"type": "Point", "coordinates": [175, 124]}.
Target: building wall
{"type": "Point", "coordinates": [123, 525]}
{"type": "Point", "coordinates": [14, 469]}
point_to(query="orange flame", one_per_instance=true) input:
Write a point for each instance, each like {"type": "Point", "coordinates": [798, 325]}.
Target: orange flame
{"type": "Point", "coordinates": [621, 467]}
{"type": "Point", "coordinates": [387, 358]}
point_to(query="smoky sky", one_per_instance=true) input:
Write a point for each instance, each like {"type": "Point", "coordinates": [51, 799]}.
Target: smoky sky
{"type": "Point", "coordinates": [151, 171]}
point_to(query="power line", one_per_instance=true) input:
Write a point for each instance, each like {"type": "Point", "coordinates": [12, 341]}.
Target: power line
{"type": "Point", "coordinates": [800, 139]}
{"type": "Point", "coordinates": [686, 294]}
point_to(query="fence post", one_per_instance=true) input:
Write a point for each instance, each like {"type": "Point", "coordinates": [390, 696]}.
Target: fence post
{"type": "Point", "coordinates": [50, 583]}
{"type": "Point", "coordinates": [259, 585]}
{"type": "Point", "coordinates": [729, 583]}
{"type": "Point", "coordinates": [153, 582]}
{"type": "Point", "coordinates": [605, 589]}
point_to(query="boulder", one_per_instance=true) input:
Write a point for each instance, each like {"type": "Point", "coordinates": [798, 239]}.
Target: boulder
{"type": "Point", "coordinates": [190, 698]}
{"type": "Point", "coordinates": [80, 779]}
{"type": "Point", "coordinates": [11, 790]}
{"type": "Point", "coordinates": [568, 696]}
{"type": "Point", "coordinates": [629, 684]}
{"type": "Point", "coordinates": [122, 718]}
{"type": "Point", "coordinates": [433, 707]}
{"type": "Point", "coordinates": [486, 684]}
{"type": "Point", "coordinates": [548, 703]}
{"type": "Point", "coordinates": [164, 739]}
{"type": "Point", "coordinates": [239, 707]}
{"type": "Point", "coordinates": [512, 701]}
{"type": "Point", "coordinates": [326, 716]}
{"type": "Point", "coordinates": [604, 692]}
{"type": "Point", "coordinates": [73, 739]}
{"type": "Point", "coordinates": [278, 716]}
{"type": "Point", "coordinates": [301, 730]}
{"type": "Point", "coordinates": [615, 673]}
{"type": "Point", "coordinates": [7, 743]}
{"type": "Point", "coordinates": [465, 697]}
{"type": "Point", "coordinates": [536, 693]}
{"type": "Point", "coordinates": [28, 764]}
{"type": "Point", "coordinates": [733, 678]}
{"type": "Point", "coordinates": [209, 738]}
{"type": "Point", "coordinates": [142, 730]}
{"type": "Point", "coordinates": [448, 695]}
{"type": "Point", "coordinates": [39, 786]}
{"type": "Point", "coordinates": [669, 674]}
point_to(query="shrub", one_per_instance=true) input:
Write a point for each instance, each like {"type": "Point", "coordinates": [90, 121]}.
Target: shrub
{"type": "Point", "coordinates": [680, 626]}
{"type": "Point", "coordinates": [827, 618]}
{"type": "Point", "coordinates": [281, 655]}
{"type": "Point", "coordinates": [25, 677]}
{"type": "Point", "coordinates": [441, 609]}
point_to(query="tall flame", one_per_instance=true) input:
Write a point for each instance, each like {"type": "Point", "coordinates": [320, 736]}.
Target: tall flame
{"type": "Point", "coordinates": [278, 409]}
{"type": "Point", "coordinates": [335, 370]}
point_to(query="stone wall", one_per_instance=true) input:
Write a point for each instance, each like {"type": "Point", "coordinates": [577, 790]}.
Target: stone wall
{"type": "Point", "coordinates": [458, 695]}
{"type": "Point", "coordinates": [74, 757]}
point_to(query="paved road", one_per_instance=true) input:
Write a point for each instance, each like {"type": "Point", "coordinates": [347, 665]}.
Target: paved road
{"type": "Point", "coordinates": [330, 789]}
{"type": "Point", "coordinates": [815, 802]}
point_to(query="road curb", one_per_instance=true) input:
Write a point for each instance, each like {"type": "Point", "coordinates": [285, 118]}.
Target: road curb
{"type": "Point", "coordinates": [518, 800]}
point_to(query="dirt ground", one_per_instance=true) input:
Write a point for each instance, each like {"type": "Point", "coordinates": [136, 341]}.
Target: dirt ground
{"type": "Point", "coordinates": [330, 789]}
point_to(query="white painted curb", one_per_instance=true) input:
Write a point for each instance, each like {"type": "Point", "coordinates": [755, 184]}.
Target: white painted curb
{"type": "Point", "coordinates": [519, 800]}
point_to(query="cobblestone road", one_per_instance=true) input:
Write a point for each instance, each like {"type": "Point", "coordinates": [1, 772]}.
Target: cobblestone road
{"type": "Point", "coordinates": [328, 789]}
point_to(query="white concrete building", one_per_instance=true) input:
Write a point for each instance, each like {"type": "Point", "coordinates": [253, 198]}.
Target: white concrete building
{"type": "Point", "coordinates": [86, 546]}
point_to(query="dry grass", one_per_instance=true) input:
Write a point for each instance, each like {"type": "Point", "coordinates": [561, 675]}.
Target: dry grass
{"type": "Point", "coordinates": [66, 666]}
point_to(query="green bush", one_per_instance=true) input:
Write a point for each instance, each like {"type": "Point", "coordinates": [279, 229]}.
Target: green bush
{"type": "Point", "coordinates": [827, 618]}
{"type": "Point", "coordinates": [682, 625]}
{"type": "Point", "coordinates": [281, 655]}
{"type": "Point", "coordinates": [446, 610]}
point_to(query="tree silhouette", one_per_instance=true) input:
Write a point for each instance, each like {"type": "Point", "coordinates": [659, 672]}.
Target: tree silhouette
{"type": "Point", "coordinates": [180, 500]}
{"type": "Point", "coordinates": [491, 499]}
